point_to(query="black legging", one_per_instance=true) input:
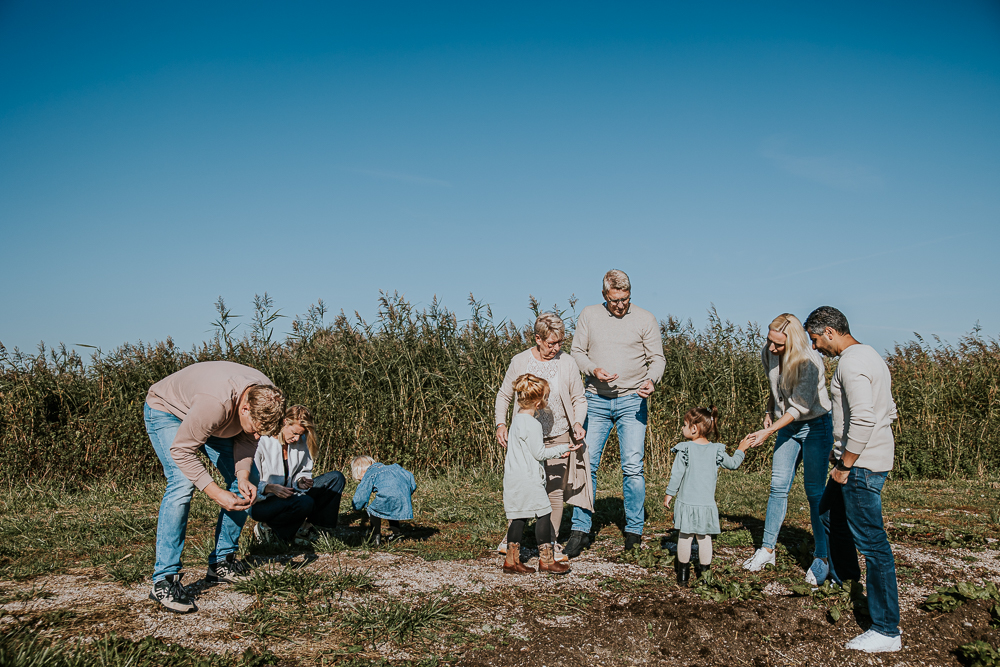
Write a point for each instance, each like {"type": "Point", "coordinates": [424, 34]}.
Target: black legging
{"type": "Point", "coordinates": [543, 530]}
{"type": "Point", "coordinates": [321, 505]}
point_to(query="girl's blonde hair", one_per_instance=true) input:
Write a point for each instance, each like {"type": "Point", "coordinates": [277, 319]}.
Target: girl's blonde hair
{"type": "Point", "coordinates": [359, 466]}
{"type": "Point", "coordinates": [706, 420]}
{"type": "Point", "coordinates": [531, 391]}
{"type": "Point", "coordinates": [299, 414]}
{"type": "Point", "coordinates": [797, 346]}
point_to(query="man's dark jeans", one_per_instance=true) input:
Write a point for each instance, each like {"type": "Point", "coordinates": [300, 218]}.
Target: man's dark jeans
{"type": "Point", "coordinates": [321, 505]}
{"type": "Point", "coordinates": [852, 514]}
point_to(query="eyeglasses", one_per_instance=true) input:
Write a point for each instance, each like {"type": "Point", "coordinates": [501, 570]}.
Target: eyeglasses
{"type": "Point", "coordinates": [618, 302]}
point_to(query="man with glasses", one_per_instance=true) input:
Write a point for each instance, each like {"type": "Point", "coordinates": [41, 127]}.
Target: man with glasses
{"type": "Point", "coordinates": [619, 349]}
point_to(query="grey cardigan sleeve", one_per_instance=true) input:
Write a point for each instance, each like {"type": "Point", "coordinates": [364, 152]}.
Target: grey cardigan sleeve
{"type": "Point", "coordinates": [505, 395]}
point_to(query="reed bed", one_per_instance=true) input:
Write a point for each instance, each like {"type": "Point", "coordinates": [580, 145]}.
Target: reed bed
{"type": "Point", "coordinates": [417, 387]}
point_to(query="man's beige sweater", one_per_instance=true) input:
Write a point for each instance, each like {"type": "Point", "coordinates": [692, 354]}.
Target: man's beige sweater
{"type": "Point", "coordinates": [629, 346]}
{"type": "Point", "coordinates": [205, 396]}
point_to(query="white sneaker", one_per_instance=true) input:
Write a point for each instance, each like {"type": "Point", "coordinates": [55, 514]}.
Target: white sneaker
{"type": "Point", "coordinates": [817, 572]}
{"type": "Point", "coordinates": [875, 642]}
{"type": "Point", "coordinates": [262, 532]}
{"type": "Point", "coordinates": [759, 560]}
{"type": "Point", "coordinates": [502, 547]}
{"type": "Point", "coordinates": [558, 555]}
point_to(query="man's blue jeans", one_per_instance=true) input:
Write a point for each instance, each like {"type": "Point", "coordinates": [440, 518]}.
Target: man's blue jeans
{"type": "Point", "coordinates": [863, 505]}
{"type": "Point", "coordinates": [628, 413]}
{"type": "Point", "coordinates": [171, 527]}
{"type": "Point", "coordinates": [808, 442]}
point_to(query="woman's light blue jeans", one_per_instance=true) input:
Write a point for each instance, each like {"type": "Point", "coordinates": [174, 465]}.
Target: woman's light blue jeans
{"type": "Point", "coordinates": [171, 527]}
{"type": "Point", "coordinates": [808, 442]}
{"type": "Point", "coordinates": [628, 413]}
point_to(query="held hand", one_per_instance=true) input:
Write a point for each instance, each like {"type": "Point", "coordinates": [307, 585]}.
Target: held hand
{"type": "Point", "coordinates": [247, 489]}
{"type": "Point", "coordinates": [502, 434]}
{"type": "Point", "coordinates": [760, 437]}
{"type": "Point", "coordinates": [839, 476]}
{"type": "Point", "coordinates": [666, 501]}
{"type": "Point", "coordinates": [575, 446]}
{"type": "Point", "coordinates": [646, 389]}
{"type": "Point", "coordinates": [604, 376]}
{"type": "Point", "coordinates": [746, 443]}
{"type": "Point", "coordinates": [767, 420]}
{"type": "Point", "coordinates": [305, 483]}
{"type": "Point", "coordinates": [578, 433]}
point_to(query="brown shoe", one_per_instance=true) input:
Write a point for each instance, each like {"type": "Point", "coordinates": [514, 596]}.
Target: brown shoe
{"type": "Point", "coordinates": [512, 563]}
{"type": "Point", "coordinates": [547, 562]}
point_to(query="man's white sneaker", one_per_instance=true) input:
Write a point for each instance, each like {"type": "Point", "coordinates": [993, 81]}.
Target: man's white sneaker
{"type": "Point", "coordinates": [760, 559]}
{"type": "Point", "coordinates": [875, 642]}
{"type": "Point", "coordinates": [502, 547]}
{"type": "Point", "coordinates": [817, 572]}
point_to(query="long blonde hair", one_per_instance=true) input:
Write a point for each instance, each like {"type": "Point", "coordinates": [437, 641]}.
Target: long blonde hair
{"type": "Point", "coordinates": [797, 346]}
{"type": "Point", "coordinates": [299, 414]}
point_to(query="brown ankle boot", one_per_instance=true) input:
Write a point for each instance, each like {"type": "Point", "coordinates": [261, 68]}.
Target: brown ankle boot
{"type": "Point", "coordinates": [512, 564]}
{"type": "Point", "coordinates": [547, 563]}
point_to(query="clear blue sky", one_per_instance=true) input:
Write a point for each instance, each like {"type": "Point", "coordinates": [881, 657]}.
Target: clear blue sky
{"type": "Point", "coordinates": [763, 157]}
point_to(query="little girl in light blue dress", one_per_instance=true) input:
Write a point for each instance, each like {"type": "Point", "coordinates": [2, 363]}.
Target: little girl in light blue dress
{"type": "Point", "coordinates": [692, 481]}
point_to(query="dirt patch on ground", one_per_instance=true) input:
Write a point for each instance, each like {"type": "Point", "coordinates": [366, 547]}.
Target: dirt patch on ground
{"type": "Point", "coordinates": [603, 613]}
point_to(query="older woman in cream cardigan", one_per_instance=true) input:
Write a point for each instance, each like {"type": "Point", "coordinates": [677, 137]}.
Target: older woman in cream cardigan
{"type": "Point", "coordinates": [562, 420]}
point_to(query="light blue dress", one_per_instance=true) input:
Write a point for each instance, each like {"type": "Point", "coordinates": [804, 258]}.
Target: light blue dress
{"type": "Point", "coordinates": [692, 484]}
{"type": "Point", "coordinates": [524, 494]}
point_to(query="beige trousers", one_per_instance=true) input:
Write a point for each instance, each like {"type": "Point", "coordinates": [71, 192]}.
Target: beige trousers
{"type": "Point", "coordinates": [555, 470]}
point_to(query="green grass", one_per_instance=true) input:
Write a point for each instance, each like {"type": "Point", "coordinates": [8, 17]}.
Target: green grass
{"type": "Point", "coordinates": [108, 532]}
{"type": "Point", "coordinates": [23, 648]}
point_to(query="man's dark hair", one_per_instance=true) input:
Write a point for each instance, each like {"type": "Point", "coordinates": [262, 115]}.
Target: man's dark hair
{"type": "Point", "coordinates": [827, 316]}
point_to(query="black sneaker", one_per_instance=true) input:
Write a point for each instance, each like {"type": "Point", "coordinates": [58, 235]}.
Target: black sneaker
{"type": "Point", "coordinates": [632, 541]}
{"type": "Point", "coordinates": [172, 595]}
{"type": "Point", "coordinates": [228, 571]}
{"type": "Point", "coordinates": [577, 542]}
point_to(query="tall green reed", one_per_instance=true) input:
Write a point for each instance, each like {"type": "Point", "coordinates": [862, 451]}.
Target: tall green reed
{"type": "Point", "coordinates": [418, 387]}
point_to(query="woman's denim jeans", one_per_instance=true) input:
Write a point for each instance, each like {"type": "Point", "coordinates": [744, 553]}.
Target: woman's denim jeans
{"type": "Point", "coordinates": [808, 442]}
{"type": "Point", "coordinates": [628, 413]}
{"type": "Point", "coordinates": [171, 526]}
{"type": "Point", "coordinates": [863, 506]}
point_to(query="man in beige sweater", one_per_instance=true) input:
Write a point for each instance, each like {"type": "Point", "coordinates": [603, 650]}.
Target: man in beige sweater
{"type": "Point", "coordinates": [618, 347]}
{"type": "Point", "coordinates": [220, 408]}
{"type": "Point", "coordinates": [863, 412]}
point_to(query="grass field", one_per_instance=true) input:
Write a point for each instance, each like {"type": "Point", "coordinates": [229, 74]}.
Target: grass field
{"type": "Point", "coordinates": [74, 565]}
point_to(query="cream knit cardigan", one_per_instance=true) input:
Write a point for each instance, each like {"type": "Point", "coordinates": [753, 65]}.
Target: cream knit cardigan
{"type": "Point", "coordinates": [579, 491]}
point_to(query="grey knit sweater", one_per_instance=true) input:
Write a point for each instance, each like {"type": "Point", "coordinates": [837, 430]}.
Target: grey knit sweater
{"type": "Point", "coordinates": [630, 347]}
{"type": "Point", "coordinates": [863, 409]}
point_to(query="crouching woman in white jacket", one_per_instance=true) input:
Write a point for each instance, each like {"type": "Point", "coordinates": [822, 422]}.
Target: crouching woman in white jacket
{"type": "Point", "coordinates": [288, 496]}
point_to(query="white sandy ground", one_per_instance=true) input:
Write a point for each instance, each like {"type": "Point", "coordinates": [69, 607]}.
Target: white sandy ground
{"type": "Point", "coordinates": [101, 603]}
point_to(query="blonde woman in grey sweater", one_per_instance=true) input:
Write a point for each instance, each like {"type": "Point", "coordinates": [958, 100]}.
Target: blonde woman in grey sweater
{"type": "Point", "coordinates": [798, 410]}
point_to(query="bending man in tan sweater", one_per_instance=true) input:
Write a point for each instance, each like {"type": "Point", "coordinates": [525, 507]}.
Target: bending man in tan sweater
{"type": "Point", "coordinates": [221, 409]}
{"type": "Point", "coordinates": [619, 349]}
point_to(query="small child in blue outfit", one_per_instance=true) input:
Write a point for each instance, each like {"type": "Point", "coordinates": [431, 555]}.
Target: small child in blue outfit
{"type": "Point", "coordinates": [393, 487]}
{"type": "Point", "coordinates": [692, 480]}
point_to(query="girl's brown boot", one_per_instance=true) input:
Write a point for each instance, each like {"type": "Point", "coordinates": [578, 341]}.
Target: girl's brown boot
{"type": "Point", "coordinates": [512, 563]}
{"type": "Point", "coordinates": [547, 562]}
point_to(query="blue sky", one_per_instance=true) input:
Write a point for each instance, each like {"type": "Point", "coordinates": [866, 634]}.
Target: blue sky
{"type": "Point", "coordinates": [761, 157]}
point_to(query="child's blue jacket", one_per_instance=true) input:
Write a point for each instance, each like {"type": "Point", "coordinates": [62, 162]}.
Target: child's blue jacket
{"type": "Point", "coordinates": [393, 486]}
